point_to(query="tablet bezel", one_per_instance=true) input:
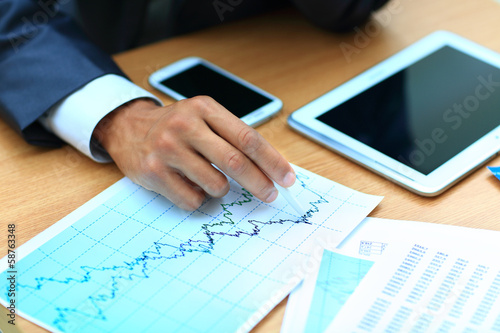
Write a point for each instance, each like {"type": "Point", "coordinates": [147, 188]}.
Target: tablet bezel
{"type": "Point", "coordinates": [304, 120]}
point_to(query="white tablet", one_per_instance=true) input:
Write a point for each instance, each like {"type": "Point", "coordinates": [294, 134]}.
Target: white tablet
{"type": "Point", "coordinates": [423, 118]}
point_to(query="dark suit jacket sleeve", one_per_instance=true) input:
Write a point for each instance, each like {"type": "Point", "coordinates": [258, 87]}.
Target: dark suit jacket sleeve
{"type": "Point", "coordinates": [338, 15]}
{"type": "Point", "coordinates": [44, 57]}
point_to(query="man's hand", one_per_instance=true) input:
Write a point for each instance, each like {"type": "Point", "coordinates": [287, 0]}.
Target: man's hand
{"type": "Point", "coordinates": [171, 149]}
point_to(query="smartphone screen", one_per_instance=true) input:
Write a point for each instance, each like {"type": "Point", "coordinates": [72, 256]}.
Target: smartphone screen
{"type": "Point", "coordinates": [201, 80]}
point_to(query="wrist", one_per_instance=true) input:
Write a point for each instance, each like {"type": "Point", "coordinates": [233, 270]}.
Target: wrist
{"type": "Point", "coordinates": [122, 121]}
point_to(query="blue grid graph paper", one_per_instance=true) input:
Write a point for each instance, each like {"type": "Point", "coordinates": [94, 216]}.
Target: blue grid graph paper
{"type": "Point", "coordinates": [338, 277]}
{"type": "Point", "coordinates": [130, 261]}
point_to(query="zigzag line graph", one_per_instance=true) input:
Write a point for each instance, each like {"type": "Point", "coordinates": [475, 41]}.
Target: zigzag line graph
{"type": "Point", "coordinates": [209, 232]}
{"type": "Point", "coordinates": [131, 254]}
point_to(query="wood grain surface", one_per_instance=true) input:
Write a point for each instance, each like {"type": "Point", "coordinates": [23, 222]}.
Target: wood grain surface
{"type": "Point", "coordinates": [287, 56]}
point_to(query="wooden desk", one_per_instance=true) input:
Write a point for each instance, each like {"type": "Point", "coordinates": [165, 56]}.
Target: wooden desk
{"type": "Point", "coordinates": [295, 61]}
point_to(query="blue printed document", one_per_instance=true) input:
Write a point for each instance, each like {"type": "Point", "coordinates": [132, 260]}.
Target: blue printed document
{"type": "Point", "coordinates": [130, 261]}
{"type": "Point", "coordinates": [410, 277]}
{"type": "Point", "coordinates": [314, 304]}
{"type": "Point", "coordinates": [338, 277]}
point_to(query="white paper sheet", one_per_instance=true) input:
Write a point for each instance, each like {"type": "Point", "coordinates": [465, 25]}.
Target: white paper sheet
{"type": "Point", "coordinates": [453, 286]}
{"type": "Point", "coordinates": [130, 261]}
{"type": "Point", "coordinates": [316, 301]}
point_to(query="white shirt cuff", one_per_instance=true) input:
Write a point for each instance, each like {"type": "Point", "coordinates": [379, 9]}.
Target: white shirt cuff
{"type": "Point", "coordinates": [75, 118]}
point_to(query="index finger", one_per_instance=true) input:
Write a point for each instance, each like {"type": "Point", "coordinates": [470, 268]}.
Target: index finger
{"type": "Point", "coordinates": [252, 144]}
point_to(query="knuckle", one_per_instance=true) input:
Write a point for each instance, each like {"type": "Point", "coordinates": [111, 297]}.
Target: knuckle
{"type": "Point", "coordinates": [249, 140]}
{"type": "Point", "coordinates": [274, 165]}
{"type": "Point", "coordinates": [218, 187]}
{"type": "Point", "coordinates": [164, 142]}
{"type": "Point", "coordinates": [201, 103]}
{"type": "Point", "coordinates": [263, 191]}
{"type": "Point", "coordinates": [206, 106]}
{"type": "Point", "coordinates": [179, 122]}
{"type": "Point", "coordinates": [236, 163]}
{"type": "Point", "coordinates": [182, 125]}
{"type": "Point", "coordinates": [152, 167]}
{"type": "Point", "coordinates": [191, 204]}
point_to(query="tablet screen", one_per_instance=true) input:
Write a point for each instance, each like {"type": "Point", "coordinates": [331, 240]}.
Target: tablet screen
{"type": "Point", "coordinates": [427, 113]}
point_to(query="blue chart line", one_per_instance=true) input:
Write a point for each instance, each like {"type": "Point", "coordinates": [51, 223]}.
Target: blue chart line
{"type": "Point", "coordinates": [137, 263]}
{"type": "Point", "coordinates": [180, 251]}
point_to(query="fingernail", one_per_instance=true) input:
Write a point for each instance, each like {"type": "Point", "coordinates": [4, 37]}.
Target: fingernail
{"type": "Point", "coordinates": [289, 179]}
{"type": "Point", "coordinates": [272, 196]}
